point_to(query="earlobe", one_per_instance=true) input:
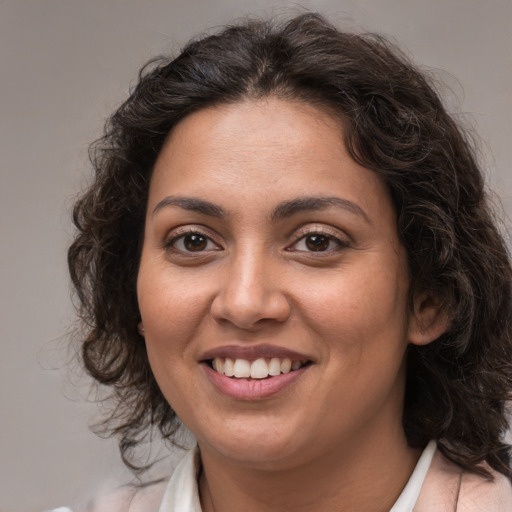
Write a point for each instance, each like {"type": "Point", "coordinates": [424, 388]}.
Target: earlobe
{"type": "Point", "coordinates": [140, 328]}
{"type": "Point", "coordinates": [428, 320]}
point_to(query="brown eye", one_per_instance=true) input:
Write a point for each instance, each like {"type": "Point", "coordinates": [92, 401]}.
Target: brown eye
{"type": "Point", "coordinates": [192, 242]}
{"type": "Point", "coordinates": [195, 242]}
{"type": "Point", "coordinates": [317, 242]}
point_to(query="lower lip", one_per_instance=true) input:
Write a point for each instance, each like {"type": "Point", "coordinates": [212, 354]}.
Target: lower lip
{"type": "Point", "coordinates": [254, 389]}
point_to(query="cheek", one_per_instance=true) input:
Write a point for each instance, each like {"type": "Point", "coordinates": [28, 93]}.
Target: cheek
{"type": "Point", "coordinates": [362, 320]}
{"type": "Point", "coordinates": [171, 307]}
{"type": "Point", "coordinates": [362, 298]}
{"type": "Point", "coordinates": [169, 315]}
{"type": "Point", "coordinates": [171, 311]}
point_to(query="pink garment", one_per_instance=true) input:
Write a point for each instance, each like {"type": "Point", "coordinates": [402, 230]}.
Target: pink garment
{"type": "Point", "coordinates": [447, 488]}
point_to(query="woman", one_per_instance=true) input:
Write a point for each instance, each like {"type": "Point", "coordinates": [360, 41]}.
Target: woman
{"type": "Point", "coordinates": [288, 248]}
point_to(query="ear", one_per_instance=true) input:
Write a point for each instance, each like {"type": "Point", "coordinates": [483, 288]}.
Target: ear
{"type": "Point", "coordinates": [140, 328]}
{"type": "Point", "coordinates": [428, 319]}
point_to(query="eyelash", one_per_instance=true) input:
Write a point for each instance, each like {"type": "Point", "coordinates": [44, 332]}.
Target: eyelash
{"type": "Point", "coordinates": [330, 237]}
{"type": "Point", "coordinates": [190, 232]}
{"type": "Point", "coordinates": [181, 235]}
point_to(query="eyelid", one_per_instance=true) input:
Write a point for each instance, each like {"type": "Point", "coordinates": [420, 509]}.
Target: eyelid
{"type": "Point", "coordinates": [188, 229]}
{"type": "Point", "coordinates": [343, 241]}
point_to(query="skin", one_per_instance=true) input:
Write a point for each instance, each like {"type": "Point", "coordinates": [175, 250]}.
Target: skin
{"type": "Point", "coordinates": [334, 436]}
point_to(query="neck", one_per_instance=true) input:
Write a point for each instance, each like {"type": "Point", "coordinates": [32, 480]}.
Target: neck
{"type": "Point", "coordinates": [367, 475]}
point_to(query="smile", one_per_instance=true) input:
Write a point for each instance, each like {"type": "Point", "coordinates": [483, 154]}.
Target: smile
{"type": "Point", "coordinates": [254, 372]}
{"type": "Point", "coordinates": [261, 368]}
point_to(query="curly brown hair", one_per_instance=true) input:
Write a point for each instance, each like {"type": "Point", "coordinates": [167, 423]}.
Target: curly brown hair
{"type": "Point", "coordinates": [395, 124]}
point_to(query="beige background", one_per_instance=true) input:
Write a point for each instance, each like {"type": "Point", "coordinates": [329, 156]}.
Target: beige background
{"type": "Point", "coordinates": [64, 64]}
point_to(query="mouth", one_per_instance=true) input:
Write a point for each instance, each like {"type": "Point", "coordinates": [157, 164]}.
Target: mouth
{"type": "Point", "coordinates": [254, 372]}
{"type": "Point", "coordinates": [257, 369]}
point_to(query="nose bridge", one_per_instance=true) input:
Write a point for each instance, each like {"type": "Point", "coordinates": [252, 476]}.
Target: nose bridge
{"type": "Point", "coordinates": [250, 290]}
{"type": "Point", "coordinates": [249, 279]}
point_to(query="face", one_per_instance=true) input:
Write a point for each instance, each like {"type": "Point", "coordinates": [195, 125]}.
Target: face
{"type": "Point", "coordinates": [266, 246]}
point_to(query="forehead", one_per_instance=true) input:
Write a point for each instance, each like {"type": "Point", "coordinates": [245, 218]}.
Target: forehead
{"type": "Point", "coordinates": [268, 127]}
{"type": "Point", "coordinates": [268, 150]}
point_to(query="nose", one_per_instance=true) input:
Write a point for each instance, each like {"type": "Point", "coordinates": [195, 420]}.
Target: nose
{"type": "Point", "coordinates": [251, 293]}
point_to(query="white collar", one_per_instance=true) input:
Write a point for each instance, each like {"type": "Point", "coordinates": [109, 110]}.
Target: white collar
{"type": "Point", "coordinates": [182, 495]}
{"type": "Point", "coordinates": [409, 496]}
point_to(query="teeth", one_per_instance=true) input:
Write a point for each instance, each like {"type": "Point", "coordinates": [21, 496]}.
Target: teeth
{"type": "Point", "coordinates": [274, 368]}
{"type": "Point", "coordinates": [286, 365]}
{"type": "Point", "coordinates": [242, 369]}
{"type": "Point", "coordinates": [258, 369]}
{"type": "Point", "coordinates": [228, 369]}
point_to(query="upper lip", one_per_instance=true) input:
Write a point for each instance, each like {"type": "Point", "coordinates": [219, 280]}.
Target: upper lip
{"type": "Point", "coordinates": [253, 352]}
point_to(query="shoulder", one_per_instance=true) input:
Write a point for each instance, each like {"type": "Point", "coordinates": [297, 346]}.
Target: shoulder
{"type": "Point", "coordinates": [146, 499]}
{"type": "Point", "coordinates": [448, 487]}
{"type": "Point", "coordinates": [478, 494]}
{"type": "Point", "coordinates": [177, 493]}
{"type": "Point", "coordinates": [123, 499]}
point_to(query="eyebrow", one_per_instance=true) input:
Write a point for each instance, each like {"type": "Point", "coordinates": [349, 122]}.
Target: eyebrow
{"type": "Point", "coordinates": [192, 204]}
{"type": "Point", "coordinates": [282, 211]}
{"type": "Point", "coordinates": [301, 204]}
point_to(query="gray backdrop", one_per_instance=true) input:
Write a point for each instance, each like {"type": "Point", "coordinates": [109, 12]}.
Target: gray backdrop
{"type": "Point", "coordinates": [64, 64]}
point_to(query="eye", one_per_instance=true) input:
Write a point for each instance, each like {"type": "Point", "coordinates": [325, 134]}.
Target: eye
{"type": "Point", "coordinates": [318, 242]}
{"type": "Point", "coordinates": [192, 241]}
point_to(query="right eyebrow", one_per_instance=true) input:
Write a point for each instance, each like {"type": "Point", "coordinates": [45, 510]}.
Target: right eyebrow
{"type": "Point", "coordinates": [192, 204]}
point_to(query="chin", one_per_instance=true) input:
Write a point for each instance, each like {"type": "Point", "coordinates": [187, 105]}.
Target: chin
{"type": "Point", "coordinates": [252, 446]}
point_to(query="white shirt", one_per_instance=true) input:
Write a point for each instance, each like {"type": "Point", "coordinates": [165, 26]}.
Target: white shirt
{"type": "Point", "coordinates": [182, 495]}
{"type": "Point", "coordinates": [436, 484]}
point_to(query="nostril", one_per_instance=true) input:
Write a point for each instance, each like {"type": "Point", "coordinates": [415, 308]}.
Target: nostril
{"type": "Point", "coordinates": [248, 310]}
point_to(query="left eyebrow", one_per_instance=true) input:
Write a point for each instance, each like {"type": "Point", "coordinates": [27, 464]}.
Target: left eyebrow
{"type": "Point", "coordinates": [302, 204]}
